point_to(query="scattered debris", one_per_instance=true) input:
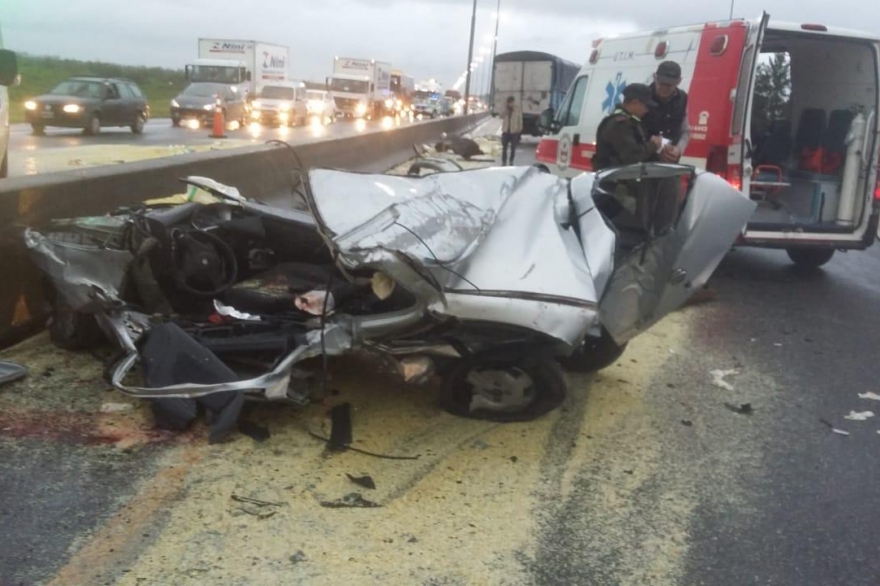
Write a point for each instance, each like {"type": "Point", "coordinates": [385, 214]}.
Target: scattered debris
{"type": "Point", "coordinates": [340, 430]}
{"type": "Point", "coordinates": [353, 500]}
{"type": "Point", "coordinates": [778, 344]}
{"type": "Point", "coordinates": [630, 472]}
{"type": "Point", "coordinates": [116, 407]}
{"type": "Point", "coordinates": [871, 396]}
{"type": "Point", "coordinates": [743, 409]}
{"type": "Point", "coordinates": [480, 445]}
{"type": "Point", "coordinates": [258, 502]}
{"type": "Point", "coordinates": [365, 481]}
{"type": "Point", "coordinates": [832, 428]}
{"type": "Point", "coordinates": [298, 557]}
{"type": "Point", "coordinates": [687, 422]}
{"type": "Point", "coordinates": [10, 372]}
{"type": "Point", "coordinates": [365, 452]}
{"type": "Point", "coordinates": [859, 415]}
{"type": "Point", "coordinates": [415, 540]}
{"type": "Point", "coordinates": [514, 459]}
{"type": "Point", "coordinates": [718, 378]}
{"type": "Point", "coordinates": [256, 507]}
{"type": "Point", "coordinates": [256, 432]}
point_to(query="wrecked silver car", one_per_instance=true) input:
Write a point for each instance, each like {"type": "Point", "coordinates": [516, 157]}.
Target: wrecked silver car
{"type": "Point", "coordinates": [489, 277]}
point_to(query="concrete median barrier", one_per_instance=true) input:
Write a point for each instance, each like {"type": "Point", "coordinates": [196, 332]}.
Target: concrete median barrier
{"type": "Point", "coordinates": [263, 172]}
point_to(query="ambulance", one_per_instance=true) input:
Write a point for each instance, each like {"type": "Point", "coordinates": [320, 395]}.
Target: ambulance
{"type": "Point", "coordinates": [785, 112]}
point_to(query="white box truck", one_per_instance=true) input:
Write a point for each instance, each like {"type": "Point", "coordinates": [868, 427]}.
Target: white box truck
{"type": "Point", "coordinates": [361, 87]}
{"type": "Point", "coordinates": [8, 77]}
{"type": "Point", "coordinates": [249, 65]}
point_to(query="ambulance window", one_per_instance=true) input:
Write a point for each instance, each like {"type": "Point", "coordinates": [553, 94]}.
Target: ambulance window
{"type": "Point", "coordinates": [570, 113]}
{"type": "Point", "coordinates": [742, 92]}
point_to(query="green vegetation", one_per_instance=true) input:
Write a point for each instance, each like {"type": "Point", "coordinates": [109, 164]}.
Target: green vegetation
{"type": "Point", "coordinates": [40, 74]}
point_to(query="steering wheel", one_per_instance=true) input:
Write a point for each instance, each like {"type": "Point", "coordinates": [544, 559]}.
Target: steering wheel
{"type": "Point", "coordinates": [202, 264]}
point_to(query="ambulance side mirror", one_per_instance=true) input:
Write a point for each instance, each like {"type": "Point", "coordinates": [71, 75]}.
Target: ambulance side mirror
{"type": "Point", "coordinates": [546, 123]}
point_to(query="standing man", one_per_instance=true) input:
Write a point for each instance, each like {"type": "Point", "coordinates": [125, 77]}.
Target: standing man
{"type": "Point", "coordinates": [621, 137]}
{"type": "Point", "coordinates": [669, 118]}
{"type": "Point", "coordinates": [511, 129]}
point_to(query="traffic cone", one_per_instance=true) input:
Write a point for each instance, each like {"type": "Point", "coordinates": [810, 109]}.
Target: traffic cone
{"type": "Point", "coordinates": [219, 122]}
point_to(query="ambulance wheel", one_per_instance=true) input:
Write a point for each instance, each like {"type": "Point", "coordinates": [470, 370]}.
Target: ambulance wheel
{"type": "Point", "coordinates": [504, 390]}
{"type": "Point", "coordinates": [810, 258]}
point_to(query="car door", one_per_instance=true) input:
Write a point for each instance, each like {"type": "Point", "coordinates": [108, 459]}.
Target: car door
{"type": "Point", "coordinates": [139, 102]}
{"type": "Point", "coordinates": [569, 152]}
{"type": "Point", "coordinates": [659, 265]}
{"type": "Point", "coordinates": [112, 106]}
{"type": "Point", "coordinates": [129, 103]}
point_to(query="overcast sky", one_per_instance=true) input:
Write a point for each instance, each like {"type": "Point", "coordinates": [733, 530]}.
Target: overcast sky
{"type": "Point", "coordinates": [425, 38]}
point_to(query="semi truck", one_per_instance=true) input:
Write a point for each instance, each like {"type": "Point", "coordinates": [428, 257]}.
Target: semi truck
{"type": "Point", "coordinates": [402, 86]}
{"type": "Point", "coordinates": [536, 81]}
{"type": "Point", "coordinates": [361, 87]}
{"type": "Point", "coordinates": [246, 65]}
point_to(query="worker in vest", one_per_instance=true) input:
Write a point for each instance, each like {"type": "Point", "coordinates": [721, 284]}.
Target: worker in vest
{"type": "Point", "coordinates": [511, 129]}
{"type": "Point", "coordinates": [669, 118]}
{"type": "Point", "coordinates": [621, 137]}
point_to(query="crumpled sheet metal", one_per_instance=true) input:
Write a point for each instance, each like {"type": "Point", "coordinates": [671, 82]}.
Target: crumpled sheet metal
{"type": "Point", "coordinates": [79, 271]}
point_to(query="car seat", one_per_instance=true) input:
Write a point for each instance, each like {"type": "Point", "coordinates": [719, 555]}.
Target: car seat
{"type": "Point", "coordinates": [811, 130]}
{"type": "Point", "coordinates": [776, 148]}
{"type": "Point", "coordinates": [834, 141]}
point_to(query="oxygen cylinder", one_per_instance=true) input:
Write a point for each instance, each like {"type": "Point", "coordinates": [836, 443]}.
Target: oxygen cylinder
{"type": "Point", "coordinates": [849, 188]}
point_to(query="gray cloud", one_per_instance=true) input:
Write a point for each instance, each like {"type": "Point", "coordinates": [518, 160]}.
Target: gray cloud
{"type": "Point", "coordinates": [426, 38]}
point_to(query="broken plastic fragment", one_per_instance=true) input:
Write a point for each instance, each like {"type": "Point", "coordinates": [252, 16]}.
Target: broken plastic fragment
{"type": "Point", "coordinates": [859, 416]}
{"type": "Point", "coordinates": [11, 372]}
{"type": "Point", "coordinates": [116, 407]}
{"type": "Point", "coordinates": [872, 396]}
{"type": "Point", "coordinates": [230, 311]}
{"type": "Point", "coordinates": [718, 378]}
{"type": "Point", "coordinates": [839, 431]}
{"type": "Point", "coordinates": [365, 481]}
{"type": "Point", "coordinates": [416, 369]}
{"type": "Point", "coordinates": [313, 302]}
{"type": "Point", "coordinates": [383, 285]}
{"type": "Point", "coordinates": [353, 500]}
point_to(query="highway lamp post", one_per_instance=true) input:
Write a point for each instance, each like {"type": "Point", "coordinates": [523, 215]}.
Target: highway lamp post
{"type": "Point", "coordinates": [494, 51]}
{"type": "Point", "coordinates": [470, 67]}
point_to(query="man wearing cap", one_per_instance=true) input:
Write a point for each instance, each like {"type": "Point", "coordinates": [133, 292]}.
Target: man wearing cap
{"type": "Point", "coordinates": [621, 137]}
{"type": "Point", "coordinates": [669, 118]}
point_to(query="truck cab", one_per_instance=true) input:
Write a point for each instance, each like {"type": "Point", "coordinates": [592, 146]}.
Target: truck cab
{"type": "Point", "coordinates": [351, 94]}
{"type": "Point", "coordinates": [786, 113]}
{"type": "Point", "coordinates": [225, 71]}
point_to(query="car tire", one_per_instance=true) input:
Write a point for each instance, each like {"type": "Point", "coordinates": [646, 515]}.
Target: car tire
{"type": "Point", "coordinates": [810, 258]}
{"type": "Point", "coordinates": [4, 166]}
{"type": "Point", "coordinates": [543, 378]}
{"type": "Point", "coordinates": [137, 127]}
{"type": "Point", "coordinates": [73, 330]}
{"type": "Point", "coordinates": [93, 126]}
{"type": "Point", "coordinates": [38, 129]}
{"type": "Point", "coordinates": [594, 354]}
{"type": "Point", "coordinates": [175, 122]}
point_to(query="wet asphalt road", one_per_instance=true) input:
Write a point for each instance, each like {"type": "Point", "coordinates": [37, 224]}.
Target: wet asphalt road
{"type": "Point", "coordinates": [643, 477]}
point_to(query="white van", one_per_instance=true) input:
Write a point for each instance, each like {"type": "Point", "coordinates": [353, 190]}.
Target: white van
{"type": "Point", "coordinates": [8, 77]}
{"type": "Point", "coordinates": [805, 149]}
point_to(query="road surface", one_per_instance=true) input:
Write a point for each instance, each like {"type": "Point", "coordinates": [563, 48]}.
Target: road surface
{"type": "Point", "coordinates": [644, 476]}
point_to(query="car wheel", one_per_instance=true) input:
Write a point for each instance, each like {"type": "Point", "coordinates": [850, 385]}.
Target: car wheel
{"type": "Point", "coordinates": [810, 258]}
{"type": "Point", "coordinates": [594, 354]}
{"type": "Point", "coordinates": [73, 330]}
{"type": "Point", "coordinates": [4, 166]}
{"type": "Point", "coordinates": [38, 129]}
{"type": "Point", "coordinates": [501, 390]}
{"type": "Point", "coordinates": [137, 126]}
{"type": "Point", "coordinates": [93, 126]}
{"type": "Point", "coordinates": [175, 122]}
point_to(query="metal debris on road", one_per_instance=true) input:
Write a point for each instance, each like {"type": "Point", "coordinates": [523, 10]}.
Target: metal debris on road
{"type": "Point", "coordinates": [859, 415]}
{"type": "Point", "coordinates": [258, 502]}
{"type": "Point", "coordinates": [353, 501]}
{"type": "Point", "coordinates": [256, 507]}
{"type": "Point", "coordinates": [718, 378]}
{"type": "Point", "coordinates": [10, 372]}
{"type": "Point", "coordinates": [365, 481]}
{"type": "Point", "coordinates": [687, 422]}
{"type": "Point", "coordinates": [832, 428]}
{"type": "Point", "coordinates": [298, 557]}
{"type": "Point", "coordinates": [871, 396]}
{"type": "Point", "coordinates": [743, 409]}
{"type": "Point", "coordinates": [340, 427]}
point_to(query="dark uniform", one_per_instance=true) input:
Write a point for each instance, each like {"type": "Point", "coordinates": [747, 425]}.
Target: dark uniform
{"type": "Point", "coordinates": [669, 118]}
{"type": "Point", "coordinates": [621, 140]}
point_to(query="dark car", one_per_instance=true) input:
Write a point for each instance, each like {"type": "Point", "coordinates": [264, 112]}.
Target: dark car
{"type": "Point", "coordinates": [90, 103]}
{"type": "Point", "coordinates": [198, 101]}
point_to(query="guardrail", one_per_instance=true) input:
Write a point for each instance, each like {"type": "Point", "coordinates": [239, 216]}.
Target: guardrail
{"type": "Point", "coordinates": [262, 172]}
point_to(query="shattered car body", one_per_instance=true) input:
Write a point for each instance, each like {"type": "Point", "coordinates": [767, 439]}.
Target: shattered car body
{"type": "Point", "coordinates": [493, 273]}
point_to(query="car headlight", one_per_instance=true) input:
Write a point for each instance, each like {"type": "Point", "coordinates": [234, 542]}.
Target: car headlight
{"type": "Point", "coordinates": [361, 108]}
{"type": "Point", "coordinates": [174, 104]}
{"type": "Point", "coordinates": [255, 105]}
{"type": "Point", "coordinates": [255, 114]}
{"type": "Point", "coordinates": [389, 103]}
{"type": "Point", "coordinates": [30, 105]}
{"type": "Point", "coordinates": [283, 116]}
{"type": "Point", "coordinates": [284, 107]}
{"type": "Point", "coordinates": [72, 108]}
{"type": "Point", "coordinates": [208, 106]}
{"type": "Point", "coordinates": [316, 105]}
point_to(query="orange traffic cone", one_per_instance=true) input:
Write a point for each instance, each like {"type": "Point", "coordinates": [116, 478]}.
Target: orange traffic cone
{"type": "Point", "coordinates": [219, 122]}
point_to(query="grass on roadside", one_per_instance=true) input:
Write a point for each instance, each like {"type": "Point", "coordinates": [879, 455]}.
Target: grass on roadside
{"type": "Point", "coordinates": [40, 74]}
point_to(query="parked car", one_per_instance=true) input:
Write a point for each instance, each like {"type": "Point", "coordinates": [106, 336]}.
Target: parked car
{"type": "Point", "coordinates": [490, 277]}
{"type": "Point", "coordinates": [89, 103]}
{"type": "Point", "coordinates": [281, 103]}
{"type": "Point", "coordinates": [199, 99]}
{"type": "Point", "coordinates": [320, 104]}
